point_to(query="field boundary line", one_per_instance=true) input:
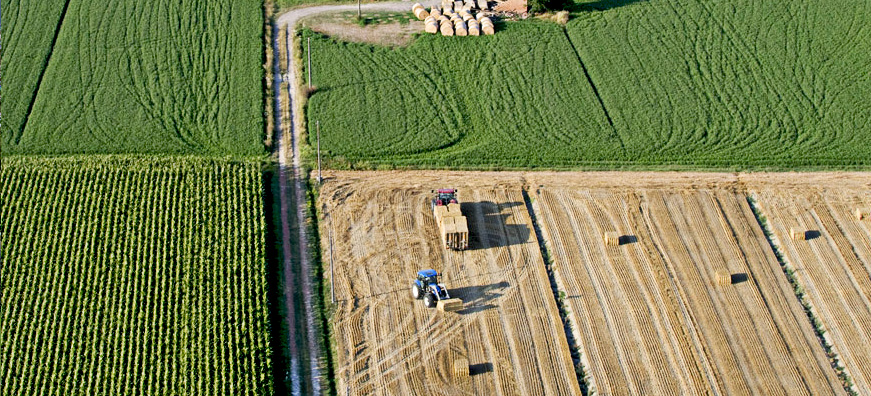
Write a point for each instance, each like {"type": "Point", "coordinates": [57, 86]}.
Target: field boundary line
{"type": "Point", "coordinates": [63, 17]}
{"type": "Point", "coordinates": [562, 308]}
{"type": "Point", "coordinates": [789, 272]}
{"type": "Point", "coordinates": [595, 90]}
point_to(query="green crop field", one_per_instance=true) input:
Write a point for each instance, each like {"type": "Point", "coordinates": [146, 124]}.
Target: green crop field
{"type": "Point", "coordinates": [123, 76]}
{"type": "Point", "coordinates": [686, 83]}
{"type": "Point", "coordinates": [133, 276]}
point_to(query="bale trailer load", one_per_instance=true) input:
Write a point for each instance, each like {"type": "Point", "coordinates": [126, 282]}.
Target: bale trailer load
{"type": "Point", "coordinates": [453, 227]}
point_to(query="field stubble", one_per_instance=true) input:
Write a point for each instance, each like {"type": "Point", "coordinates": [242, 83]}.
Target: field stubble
{"type": "Point", "coordinates": [691, 301]}
{"type": "Point", "coordinates": [388, 343]}
{"type": "Point", "coordinates": [833, 264]}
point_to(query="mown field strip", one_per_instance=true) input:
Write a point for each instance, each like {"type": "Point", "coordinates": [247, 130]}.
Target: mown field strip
{"type": "Point", "coordinates": [655, 316]}
{"type": "Point", "coordinates": [831, 267]}
{"type": "Point", "coordinates": [388, 343]}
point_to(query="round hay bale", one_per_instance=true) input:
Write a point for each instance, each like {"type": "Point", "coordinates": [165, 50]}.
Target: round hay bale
{"type": "Point", "coordinates": [458, 5]}
{"type": "Point", "coordinates": [859, 214]}
{"type": "Point", "coordinates": [480, 16]}
{"type": "Point", "coordinates": [468, 17]}
{"type": "Point", "coordinates": [467, 8]}
{"type": "Point", "coordinates": [460, 28]}
{"type": "Point", "coordinates": [447, 9]}
{"type": "Point", "coordinates": [447, 29]}
{"type": "Point", "coordinates": [435, 13]}
{"type": "Point", "coordinates": [482, 4]}
{"type": "Point", "coordinates": [487, 26]}
{"type": "Point", "coordinates": [474, 31]}
{"type": "Point", "coordinates": [421, 13]}
{"type": "Point", "coordinates": [431, 25]}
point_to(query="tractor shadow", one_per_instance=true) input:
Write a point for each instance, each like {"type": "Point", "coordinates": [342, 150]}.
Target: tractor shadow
{"type": "Point", "coordinates": [478, 298]}
{"type": "Point", "coordinates": [488, 225]}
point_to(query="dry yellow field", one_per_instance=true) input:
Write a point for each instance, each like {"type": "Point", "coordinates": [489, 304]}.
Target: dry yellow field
{"type": "Point", "coordinates": [833, 265]}
{"type": "Point", "coordinates": [387, 343]}
{"type": "Point", "coordinates": [692, 300]}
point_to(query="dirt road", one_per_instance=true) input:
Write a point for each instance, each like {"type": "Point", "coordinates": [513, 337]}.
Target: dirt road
{"type": "Point", "coordinates": [292, 194]}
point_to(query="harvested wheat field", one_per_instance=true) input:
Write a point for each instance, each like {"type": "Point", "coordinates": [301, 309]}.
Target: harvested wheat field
{"type": "Point", "coordinates": [830, 256]}
{"type": "Point", "coordinates": [508, 339]}
{"type": "Point", "coordinates": [689, 300]}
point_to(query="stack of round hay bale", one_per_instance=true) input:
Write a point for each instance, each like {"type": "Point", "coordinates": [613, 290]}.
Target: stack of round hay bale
{"type": "Point", "coordinates": [431, 25]}
{"type": "Point", "coordinates": [447, 7]}
{"type": "Point", "coordinates": [460, 27]}
{"type": "Point", "coordinates": [455, 18]}
{"type": "Point", "coordinates": [419, 12]}
{"type": "Point", "coordinates": [486, 24]}
{"type": "Point", "coordinates": [474, 28]}
{"type": "Point", "coordinates": [446, 27]}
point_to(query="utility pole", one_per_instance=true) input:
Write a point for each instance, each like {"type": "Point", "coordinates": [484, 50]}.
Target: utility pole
{"type": "Point", "coordinates": [359, 11]}
{"type": "Point", "coordinates": [309, 64]}
{"type": "Point", "coordinates": [320, 178]}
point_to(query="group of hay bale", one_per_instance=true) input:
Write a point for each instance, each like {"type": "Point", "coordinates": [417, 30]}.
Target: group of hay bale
{"type": "Point", "coordinates": [455, 17]}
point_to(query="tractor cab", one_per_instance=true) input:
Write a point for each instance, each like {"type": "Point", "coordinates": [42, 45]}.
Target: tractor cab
{"type": "Point", "coordinates": [427, 277]}
{"type": "Point", "coordinates": [445, 196]}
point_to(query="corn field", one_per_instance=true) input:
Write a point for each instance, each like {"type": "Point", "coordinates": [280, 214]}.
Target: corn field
{"type": "Point", "coordinates": [133, 276]}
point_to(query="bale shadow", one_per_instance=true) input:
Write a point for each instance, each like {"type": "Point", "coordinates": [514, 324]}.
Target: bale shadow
{"type": "Point", "coordinates": [812, 234]}
{"type": "Point", "coordinates": [739, 277]}
{"type": "Point", "coordinates": [488, 226]}
{"type": "Point", "coordinates": [480, 368]}
{"type": "Point", "coordinates": [626, 239]}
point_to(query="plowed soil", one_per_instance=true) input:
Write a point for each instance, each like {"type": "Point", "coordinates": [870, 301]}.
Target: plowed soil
{"type": "Point", "coordinates": [833, 266]}
{"type": "Point", "coordinates": [387, 343]}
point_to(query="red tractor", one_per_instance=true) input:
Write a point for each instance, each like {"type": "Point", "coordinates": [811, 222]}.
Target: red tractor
{"type": "Point", "coordinates": [444, 197]}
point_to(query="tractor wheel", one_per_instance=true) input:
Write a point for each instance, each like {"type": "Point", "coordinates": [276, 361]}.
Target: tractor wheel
{"type": "Point", "coordinates": [429, 300]}
{"type": "Point", "coordinates": [416, 292]}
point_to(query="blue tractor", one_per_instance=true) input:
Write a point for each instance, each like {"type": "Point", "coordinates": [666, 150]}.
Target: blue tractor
{"type": "Point", "coordinates": [433, 293]}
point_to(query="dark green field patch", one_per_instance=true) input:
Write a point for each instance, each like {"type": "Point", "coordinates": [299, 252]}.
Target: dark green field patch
{"type": "Point", "coordinates": [125, 76]}
{"type": "Point", "coordinates": [677, 84]}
